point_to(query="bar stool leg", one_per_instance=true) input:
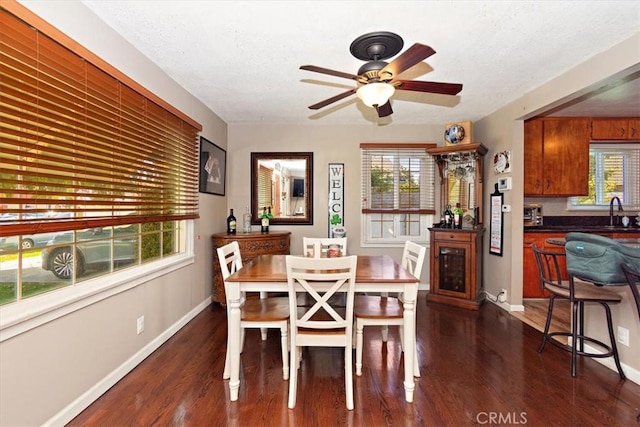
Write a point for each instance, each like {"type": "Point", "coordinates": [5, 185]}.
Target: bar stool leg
{"type": "Point", "coordinates": [574, 339]}
{"type": "Point", "coordinates": [547, 324]}
{"type": "Point", "coordinates": [614, 347]}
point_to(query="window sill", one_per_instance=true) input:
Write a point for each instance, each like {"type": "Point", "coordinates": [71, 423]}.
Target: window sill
{"type": "Point", "coordinates": [22, 316]}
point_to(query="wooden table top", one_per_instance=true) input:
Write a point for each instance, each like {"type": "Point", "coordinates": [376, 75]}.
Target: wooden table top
{"type": "Point", "coordinates": [370, 269]}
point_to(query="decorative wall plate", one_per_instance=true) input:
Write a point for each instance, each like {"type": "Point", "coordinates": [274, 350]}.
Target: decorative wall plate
{"type": "Point", "coordinates": [502, 162]}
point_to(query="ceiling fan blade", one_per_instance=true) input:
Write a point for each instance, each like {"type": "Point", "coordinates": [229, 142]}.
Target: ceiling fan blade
{"type": "Point", "coordinates": [329, 72]}
{"type": "Point", "coordinates": [385, 110]}
{"type": "Point", "coordinates": [431, 87]}
{"type": "Point", "coordinates": [332, 99]}
{"type": "Point", "coordinates": [406, 60]}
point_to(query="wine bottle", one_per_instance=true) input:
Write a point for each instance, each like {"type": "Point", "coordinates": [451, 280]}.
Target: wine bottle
{"type": "Point", "coordinates": [264, 220]}
{"type": "Point", "coordinates": [246, 221]}
{"type": "Point", "coordinates": [231, 223]}
{"type": "Point", "coordinates": [457, 216]}
{"type": "Point", "coordinates": [448, 217]}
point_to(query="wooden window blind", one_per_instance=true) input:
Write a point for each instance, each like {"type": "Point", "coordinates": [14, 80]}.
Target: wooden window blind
{"type": "Point", "coordinates": [397, 178]}
{"type": "Point", "coordinates": [80, 148]}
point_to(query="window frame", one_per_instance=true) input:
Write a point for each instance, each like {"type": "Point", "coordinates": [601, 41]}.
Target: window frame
{"type": "Point", "coordinates": [26, 314]}
{"type": "Point", "coordinates": [631, 176]}
{"type": "Point", "coordinates": [426, 212]}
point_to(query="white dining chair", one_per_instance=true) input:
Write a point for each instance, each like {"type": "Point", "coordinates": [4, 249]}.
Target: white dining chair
{"type": "Point", "coordinates": [321, 324]}
{"type": "Point", "coordinates": [318, 246]}
{"type": "Point", "coordinates": [269, 312]}
{"type": "Point", "coordinates": [384, 310]}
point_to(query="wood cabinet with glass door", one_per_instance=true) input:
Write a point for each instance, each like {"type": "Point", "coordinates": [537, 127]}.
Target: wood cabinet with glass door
{"type": "Point", "coordinates": [456, 254]}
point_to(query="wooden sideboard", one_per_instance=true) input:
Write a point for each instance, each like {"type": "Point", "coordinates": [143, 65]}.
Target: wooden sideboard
{"type": "Point", "coordinates": [251, 245]}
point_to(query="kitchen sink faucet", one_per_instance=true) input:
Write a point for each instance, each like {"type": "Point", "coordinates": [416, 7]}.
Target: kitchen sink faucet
{"type": "Point", "coordinates": [611, 209]}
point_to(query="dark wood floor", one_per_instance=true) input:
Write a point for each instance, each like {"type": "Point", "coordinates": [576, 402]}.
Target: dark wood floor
{"type": "Point", "coordinates": [476, 367]}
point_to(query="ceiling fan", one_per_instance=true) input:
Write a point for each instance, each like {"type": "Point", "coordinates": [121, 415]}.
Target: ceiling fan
{"type": "Point", "coordinates": [378, 79]}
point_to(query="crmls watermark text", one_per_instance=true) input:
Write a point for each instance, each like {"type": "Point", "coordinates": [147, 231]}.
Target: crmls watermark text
{"type": "Point", "coordinates": [498, 418]}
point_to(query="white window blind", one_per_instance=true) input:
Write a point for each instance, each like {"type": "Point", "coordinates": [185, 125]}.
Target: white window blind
{"type": "Point", "coordinates": [614, 171]}
{"type": "Point", "coordinates": [397, 178]}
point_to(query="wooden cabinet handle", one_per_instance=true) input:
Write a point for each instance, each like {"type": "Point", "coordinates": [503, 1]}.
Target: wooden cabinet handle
{"type": "Point", "coordinates": [622, 130]}
{"type": "Point", "coordinates": [633, 132]}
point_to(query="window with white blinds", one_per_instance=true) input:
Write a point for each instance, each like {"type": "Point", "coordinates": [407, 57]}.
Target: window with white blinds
{"type": "Point", "coordinates": [398, 191]}
{"type": "Point", "coordinates": [614, 171]}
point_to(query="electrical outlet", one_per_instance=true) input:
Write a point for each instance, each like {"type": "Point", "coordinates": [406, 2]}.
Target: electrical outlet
{"type": "Point", "coordinates": [140, 325]}
{"type": "Point", "coordinates": [502, 296]}
{"type": "Point", "coordinates": [623, 336]}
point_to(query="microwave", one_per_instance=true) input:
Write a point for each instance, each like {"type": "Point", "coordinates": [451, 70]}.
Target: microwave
{"type": "Point", "coordinates": [532, 215]}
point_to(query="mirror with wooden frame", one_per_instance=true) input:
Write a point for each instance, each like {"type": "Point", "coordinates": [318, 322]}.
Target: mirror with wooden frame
{"type": "Point", "coordinates": [283, 182]}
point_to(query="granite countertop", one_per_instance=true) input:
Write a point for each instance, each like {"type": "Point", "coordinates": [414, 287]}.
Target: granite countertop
{"type": "Point", "coordinates": [582, 224]}
{"type": "Point", "coordinates": [580, 229]}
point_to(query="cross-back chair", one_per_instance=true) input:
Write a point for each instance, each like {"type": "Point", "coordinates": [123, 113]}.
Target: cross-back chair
{"type": "Point", "coordinates": [318, 246]}
{"type": "Point", "coordinates": [321, 324]}
{"type": "Point", "coordinates": [384, 310]}
{"type": "Point", "coordinates": [256, 313]}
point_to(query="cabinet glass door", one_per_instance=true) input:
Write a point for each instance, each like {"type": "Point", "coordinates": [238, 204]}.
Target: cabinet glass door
{"type": "Point", "coordinates": [452, 269]}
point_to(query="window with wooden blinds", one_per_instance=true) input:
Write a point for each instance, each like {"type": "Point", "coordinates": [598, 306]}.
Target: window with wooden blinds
{"type": "Point", "coordinates": [80, 148]}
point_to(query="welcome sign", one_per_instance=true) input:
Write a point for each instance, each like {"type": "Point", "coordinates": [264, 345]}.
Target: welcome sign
{"type": "Point", "coordinates": [336, 200]}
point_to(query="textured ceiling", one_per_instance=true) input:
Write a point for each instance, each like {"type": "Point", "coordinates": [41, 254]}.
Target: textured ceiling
{"type": "Point", "coordinates": [242, 58]}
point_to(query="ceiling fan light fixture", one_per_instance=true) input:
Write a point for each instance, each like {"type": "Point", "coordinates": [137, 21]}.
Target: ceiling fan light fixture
{"type": "Point", "coordinates": [375, 93]}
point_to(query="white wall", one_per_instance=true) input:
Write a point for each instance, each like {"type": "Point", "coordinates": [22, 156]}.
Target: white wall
{"type": "Point", "coordinates": [46, 372]}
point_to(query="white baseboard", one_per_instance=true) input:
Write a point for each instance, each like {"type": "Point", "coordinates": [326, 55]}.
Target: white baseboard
{"type": "Point", "coordinates": [631, 373]}
{"type": "Point", "coordinates": [88, 397]}
{"type": "Point", "coordinates": [503, 305]}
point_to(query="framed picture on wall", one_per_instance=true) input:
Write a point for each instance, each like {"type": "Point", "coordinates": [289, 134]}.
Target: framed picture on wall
{"type": "Point", "coordinates": [213, 167]}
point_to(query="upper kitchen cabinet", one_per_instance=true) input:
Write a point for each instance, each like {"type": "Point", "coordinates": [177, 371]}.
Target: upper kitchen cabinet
{"type": "Point", "coordinates": [556, 156]}
{"type": "Point", "coordinates": [615, 129]}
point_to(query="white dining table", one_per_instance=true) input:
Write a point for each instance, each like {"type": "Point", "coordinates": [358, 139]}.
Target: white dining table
{"type": "Point", "coordinates": [374, 273]}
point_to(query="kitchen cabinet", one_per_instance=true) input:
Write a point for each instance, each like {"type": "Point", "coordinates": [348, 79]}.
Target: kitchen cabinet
{"type": "Point", "coordinates": [615, 129]}
{"type": "Point", "coordinates": [556, 157]}
{"type": "Point", "coordinates": [456, 267]}
{"type": "Point", "coordinates": [530, 275]}
{"type": "Point", "coordinates": [251, 245]}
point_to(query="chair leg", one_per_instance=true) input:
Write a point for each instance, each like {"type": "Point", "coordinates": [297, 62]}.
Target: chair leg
{"type": "Point", "coordinates": [547, 324]}
{"type": "Point", "coordinates": [348, 375]}
{"type": "Point", "coordinates": [293, 378]}
{"type": "Point", "coordinates": [359, 344]}
{"type": "Point", "coordinates": [384, 330]}
{"type": "Point", "coordinates": [581, 325]}
{"type": "Point", "coordinates": [574, 338]}
{"type": "Point", "coordinates": [614, 347]}
{"type": "Point", "coordinates": [226, 374]}
{"type": "Point", "coordinates": [284, 339]}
